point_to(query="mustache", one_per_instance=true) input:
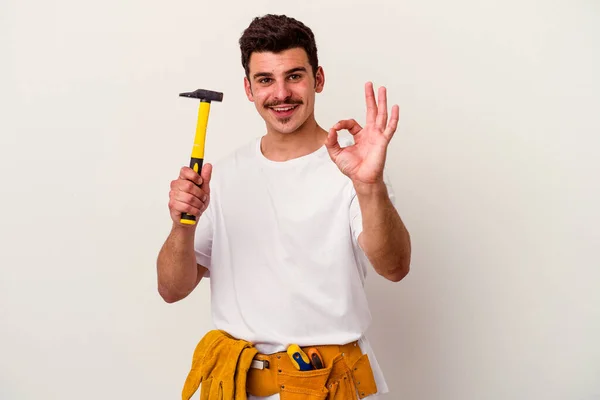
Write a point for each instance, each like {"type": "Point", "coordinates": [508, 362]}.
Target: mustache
{"type": "Point", "coordinates": [287, 101]}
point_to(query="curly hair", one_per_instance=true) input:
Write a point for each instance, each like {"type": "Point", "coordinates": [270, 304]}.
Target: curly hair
{"type": "Point", "coordinates": [276, 33]}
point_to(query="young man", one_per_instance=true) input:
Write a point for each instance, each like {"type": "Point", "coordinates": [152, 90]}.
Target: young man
{"type": "Point", "coordinates": [289, 224]}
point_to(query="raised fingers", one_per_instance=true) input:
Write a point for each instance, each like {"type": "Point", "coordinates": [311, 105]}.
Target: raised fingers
{"type": "Point", "coordinates": [371, 104]}
{"type": "Point", "coordinates": [393, 124]}
{"type": "Point", "coordinates": [382, 114]}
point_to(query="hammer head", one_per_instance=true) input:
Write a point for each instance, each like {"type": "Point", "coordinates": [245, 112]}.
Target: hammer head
{"type": "Point", "coordinates": [204, 95]}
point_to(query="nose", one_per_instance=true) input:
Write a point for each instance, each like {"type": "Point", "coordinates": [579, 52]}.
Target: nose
{"type": "Point", "coordinates": [282, 91]}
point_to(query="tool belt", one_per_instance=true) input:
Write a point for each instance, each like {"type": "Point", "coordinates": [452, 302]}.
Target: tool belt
{"type": "Point", "coordinates": [347, 374]}
{"type": "Point", "coordinates": [228, 368]}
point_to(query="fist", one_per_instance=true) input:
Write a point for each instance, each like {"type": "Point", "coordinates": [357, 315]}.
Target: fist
{"type": "Point", "coordinates": [190, 193]}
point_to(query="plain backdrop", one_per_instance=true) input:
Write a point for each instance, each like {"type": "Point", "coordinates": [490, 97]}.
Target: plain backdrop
{"type": "Point", "coordinates": [494, 165]}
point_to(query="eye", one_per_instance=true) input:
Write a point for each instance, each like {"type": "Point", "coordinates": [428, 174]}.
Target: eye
{"type": "Point", "coordinates": [294, 77]}
{"type": "Point", "coordinates": [264, 81]}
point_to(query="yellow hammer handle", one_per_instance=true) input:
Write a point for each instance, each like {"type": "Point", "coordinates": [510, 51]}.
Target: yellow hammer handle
{"type": "Point", "coordinates": [198, 150]}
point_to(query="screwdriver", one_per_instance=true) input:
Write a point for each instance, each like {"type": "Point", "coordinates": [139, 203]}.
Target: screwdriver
{"type": "Point", "coordinates": [299, 358]}
{"type": "Point", "coordinates": [315, 358]}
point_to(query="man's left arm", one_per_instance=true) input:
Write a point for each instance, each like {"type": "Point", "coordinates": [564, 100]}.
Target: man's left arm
{"type": "Point", "coordinates": [384, 238]}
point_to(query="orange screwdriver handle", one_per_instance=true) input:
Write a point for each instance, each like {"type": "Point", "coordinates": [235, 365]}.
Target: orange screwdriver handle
{"type": "Point", "coordinates": [315, 358]}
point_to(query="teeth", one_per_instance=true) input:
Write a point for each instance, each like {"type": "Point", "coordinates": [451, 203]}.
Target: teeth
{"type": "Point", "coordinates": [283, 109]}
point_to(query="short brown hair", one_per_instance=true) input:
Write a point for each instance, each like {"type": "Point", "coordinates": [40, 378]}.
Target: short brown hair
{"type": "Point", "coordinates": [276, 33]}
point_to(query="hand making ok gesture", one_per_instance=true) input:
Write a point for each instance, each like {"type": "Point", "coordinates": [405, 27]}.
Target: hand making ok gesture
{"type": "Point", "coordinates": [364, 161]}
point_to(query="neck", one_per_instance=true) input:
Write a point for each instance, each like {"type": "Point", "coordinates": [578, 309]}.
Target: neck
{"type": "Point", "coordinates": [308, 138]}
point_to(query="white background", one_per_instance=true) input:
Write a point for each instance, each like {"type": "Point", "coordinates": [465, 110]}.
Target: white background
{"type": "Point", "coordinates": [494, 165]}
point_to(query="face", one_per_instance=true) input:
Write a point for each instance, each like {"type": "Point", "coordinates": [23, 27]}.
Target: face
{"type": "Point", "coordinates": [283, 88]}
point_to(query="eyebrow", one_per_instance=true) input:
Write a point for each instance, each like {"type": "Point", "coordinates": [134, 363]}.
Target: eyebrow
{"type": "Point", "coordinates": [268, 74]}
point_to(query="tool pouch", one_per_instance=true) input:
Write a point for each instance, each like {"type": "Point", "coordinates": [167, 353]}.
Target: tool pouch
{"type": "Point", "coordinates": [341, 381]}
{"type": "Point", "coordinates": [304, 385]}
{"type": "Point", "coordinates": [349, 382]}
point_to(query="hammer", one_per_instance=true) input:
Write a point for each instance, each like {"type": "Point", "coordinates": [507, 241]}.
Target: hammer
{"type": "Point", "coordinates": [205, 97]}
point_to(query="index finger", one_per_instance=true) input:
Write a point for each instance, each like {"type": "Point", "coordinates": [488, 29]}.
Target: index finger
{"type": "Point", "coordinates": [350, 125]}
{"type": "Point", "coordinates": [189, 174]}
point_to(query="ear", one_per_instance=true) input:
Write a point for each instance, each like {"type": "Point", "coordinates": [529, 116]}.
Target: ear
{"type": "Point", "coordinates": [319, 80]}
{"type": "Point", "coordinates": [248, 89]}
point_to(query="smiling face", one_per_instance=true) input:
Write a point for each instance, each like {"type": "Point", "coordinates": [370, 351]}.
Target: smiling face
{"type": "Point", "coordinates": [283, 88]}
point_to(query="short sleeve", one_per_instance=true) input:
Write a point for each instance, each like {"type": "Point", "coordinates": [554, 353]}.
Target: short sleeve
{"type": "Point", "coordinates": [203, 240]}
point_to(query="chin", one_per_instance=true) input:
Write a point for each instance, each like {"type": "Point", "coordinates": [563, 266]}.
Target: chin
{"type": "Point", "coordinates": [285, 126]}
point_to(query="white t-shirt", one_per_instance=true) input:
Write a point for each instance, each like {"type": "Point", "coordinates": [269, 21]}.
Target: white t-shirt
{"type": "Point", "coordinates": [279, 240]}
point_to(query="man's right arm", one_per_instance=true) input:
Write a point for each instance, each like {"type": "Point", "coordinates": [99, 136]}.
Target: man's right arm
{"type": "Point", "coordinates": [177, 269]}
{"type": "Point", "coordinates": [178, 272]}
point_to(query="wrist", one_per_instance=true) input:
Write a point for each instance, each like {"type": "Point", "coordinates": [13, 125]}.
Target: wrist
{"type": "Point", "coordinates": [371, 189]}
{"type": "Point", "coordinates": [183, 229]}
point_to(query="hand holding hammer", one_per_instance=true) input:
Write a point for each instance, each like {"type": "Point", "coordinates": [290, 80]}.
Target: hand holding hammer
{"type": "Point", "coordinates": [190, 192]}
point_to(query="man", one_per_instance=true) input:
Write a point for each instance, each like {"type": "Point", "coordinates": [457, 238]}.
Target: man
{"type": "Point", "coordinates": [290, 223]}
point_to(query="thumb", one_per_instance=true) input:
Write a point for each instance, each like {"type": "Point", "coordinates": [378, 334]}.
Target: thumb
{"type": "Point", "coordinates": [333, 147]}
{"type": "Point", "coordinates": [206, 174]}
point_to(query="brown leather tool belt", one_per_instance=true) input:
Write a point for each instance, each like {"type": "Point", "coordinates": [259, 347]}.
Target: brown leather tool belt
{"type": "Point", "coordinates": [347, 375]}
